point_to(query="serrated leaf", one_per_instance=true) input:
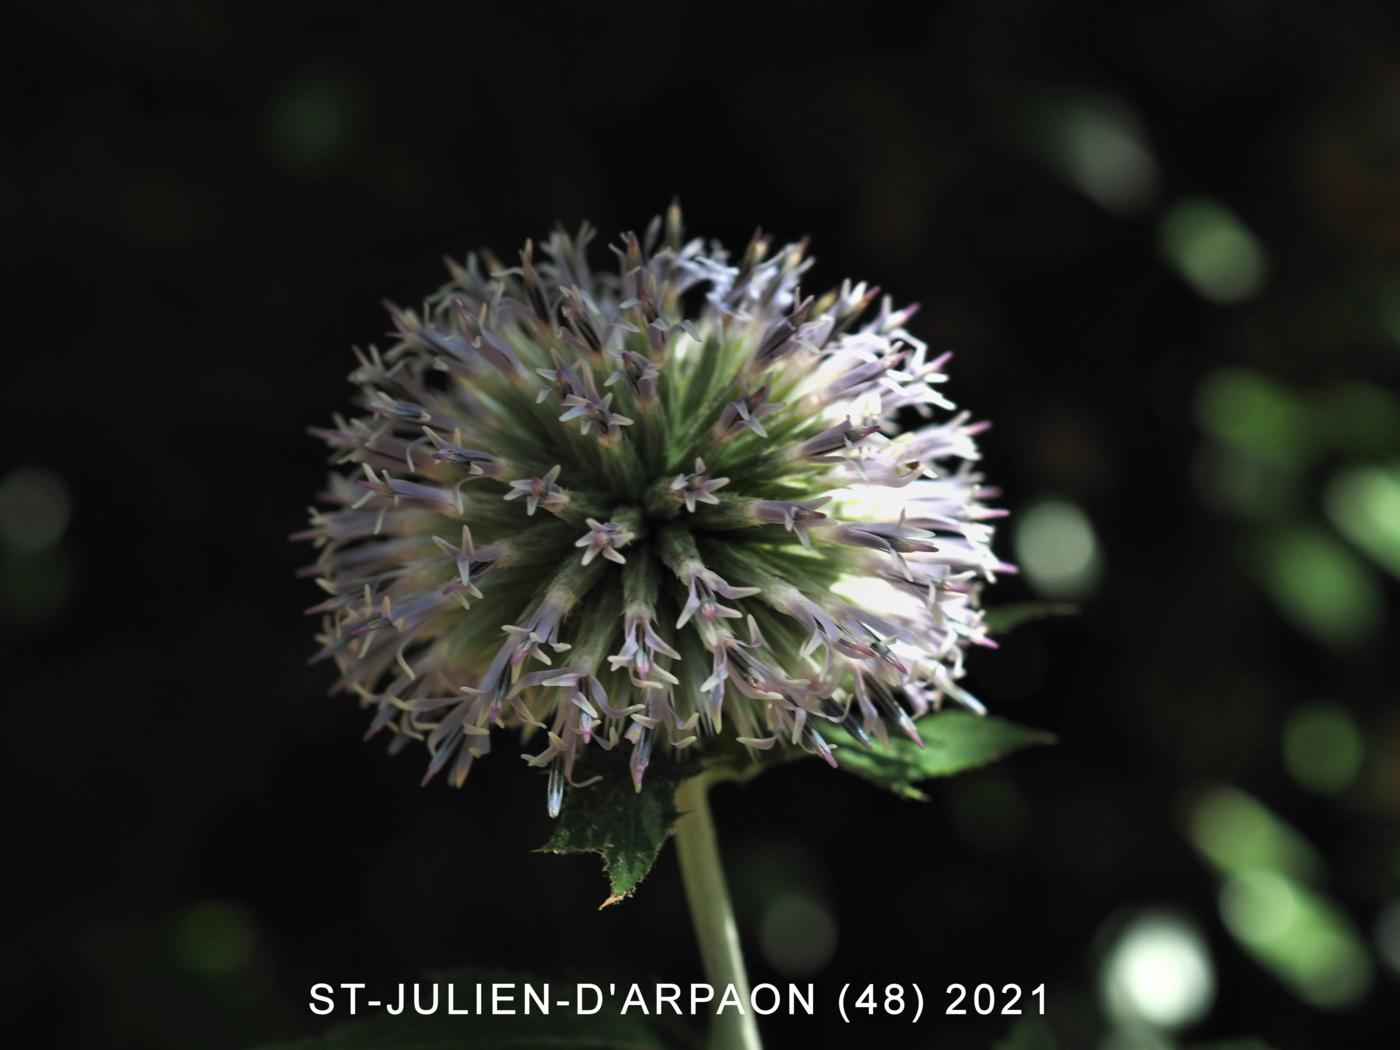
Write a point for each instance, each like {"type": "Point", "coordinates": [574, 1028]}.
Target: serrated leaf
{"type": "Point", "coordinates": [954, 741]}
{"type": "Point", "coordinates": [625, 827]}
{"type": "Point", "coordinates": [1029, 1033]}
{"type": "Point", "coordinates": [1006, 618]}
{"type": "Point", "coordinates": [558, 1030]}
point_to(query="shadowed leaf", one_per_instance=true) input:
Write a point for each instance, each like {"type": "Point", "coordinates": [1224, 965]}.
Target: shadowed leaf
{"type": "Point", "coordinates": [954, 741]}
{"type": "Point", "coordinates": [624, 827]}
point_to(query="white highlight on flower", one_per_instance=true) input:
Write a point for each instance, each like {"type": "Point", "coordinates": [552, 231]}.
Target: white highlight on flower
{"type": "Point", "coordinates": [879, 596]}
{"type": "Point", "coordinates": [870, 503]}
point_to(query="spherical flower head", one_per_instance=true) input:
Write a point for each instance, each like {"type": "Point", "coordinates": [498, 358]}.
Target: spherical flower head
{"type": "Point", "coordinates": [675, 504]}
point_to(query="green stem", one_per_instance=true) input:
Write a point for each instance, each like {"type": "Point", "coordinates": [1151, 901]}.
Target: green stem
{"type": "Point", "coordinates": [713, 915]}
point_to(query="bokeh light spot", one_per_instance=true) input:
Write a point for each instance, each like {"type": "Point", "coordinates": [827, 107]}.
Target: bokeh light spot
{"type": "Point", "coordinates": [1237, 833]}
{"type": "Point", "coordinates": [1254, 415]}
{"type": "Point", "coordinates": [1258, 906]}
{"type": "Point", "coordinates": [1364, 504]}
{"type": "Point", "coordinates": [1212, 250]}
{"type": "Point", "coordinates": [989, 810]}
{"type": "Point", "coordinates": [1057, 549]}
{"type": "Point", "coordinates": [797, 934]}
{"type": "Point", "coordinates": [215, 938]}
{"type": "Point", "coordinates": [1293, 931]}
{"type": "Point", "coordinates": [311, 122]}
{"type": "Point", "coordinates": [1303, 938]}
{"type": "Point", "coordinates": [1323, 749]}
{"type": "Point", "coordinates": [1360, 418]}
{"type": "Point", "coordinates": [1158, 972]}
{"type": "Point", "coordinates": [1320, 586]}
{"type": "Point", "coordinates": [34, 509]}
{"type": "Point", "coordinates": [1098, 145]}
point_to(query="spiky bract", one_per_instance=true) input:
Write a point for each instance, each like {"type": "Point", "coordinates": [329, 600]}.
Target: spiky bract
{"type": "Point", "coordinates": [666, 504]}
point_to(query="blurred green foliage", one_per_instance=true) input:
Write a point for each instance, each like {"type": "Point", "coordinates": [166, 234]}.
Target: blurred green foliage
{"type": "Point", "coordinates": [1306, 541]}
{"type": "Point", "coordinates": [1212, 250]}
{"type": "Point", "coordinates": [1269, 902]}
{"type": "Point", "coordinates": [1323, 748]}
{"type": "Point", "coordinates": [1364, 505]}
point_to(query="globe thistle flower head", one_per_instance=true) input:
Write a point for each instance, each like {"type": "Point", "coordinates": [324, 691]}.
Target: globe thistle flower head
{"type": "Point", "coordinates": [669, 505]}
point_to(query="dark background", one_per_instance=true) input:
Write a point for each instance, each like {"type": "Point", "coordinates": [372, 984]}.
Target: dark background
{"type": "Point", "coordinates": [1164, 242]}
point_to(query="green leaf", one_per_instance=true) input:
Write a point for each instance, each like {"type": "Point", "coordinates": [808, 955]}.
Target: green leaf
{"type": "Point", "coordinates": [1232, 1044]}
{"type": "Point", "coordinates": [628, 829]}
{"type": "Point", "coordinates": [1030, 1033]}
{"type": "Point", "coordinates": [557, 1030]}
{"type": "Point", "coordinates": [625, 827]}
{"type": "Point", "coordinates": [954, 741]}
{"type": "Point", "coordinates": [1006, 618]}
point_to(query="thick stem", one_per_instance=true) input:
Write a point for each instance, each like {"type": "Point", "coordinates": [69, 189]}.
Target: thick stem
{"type": "Point", "coordinates": [713, 916]}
